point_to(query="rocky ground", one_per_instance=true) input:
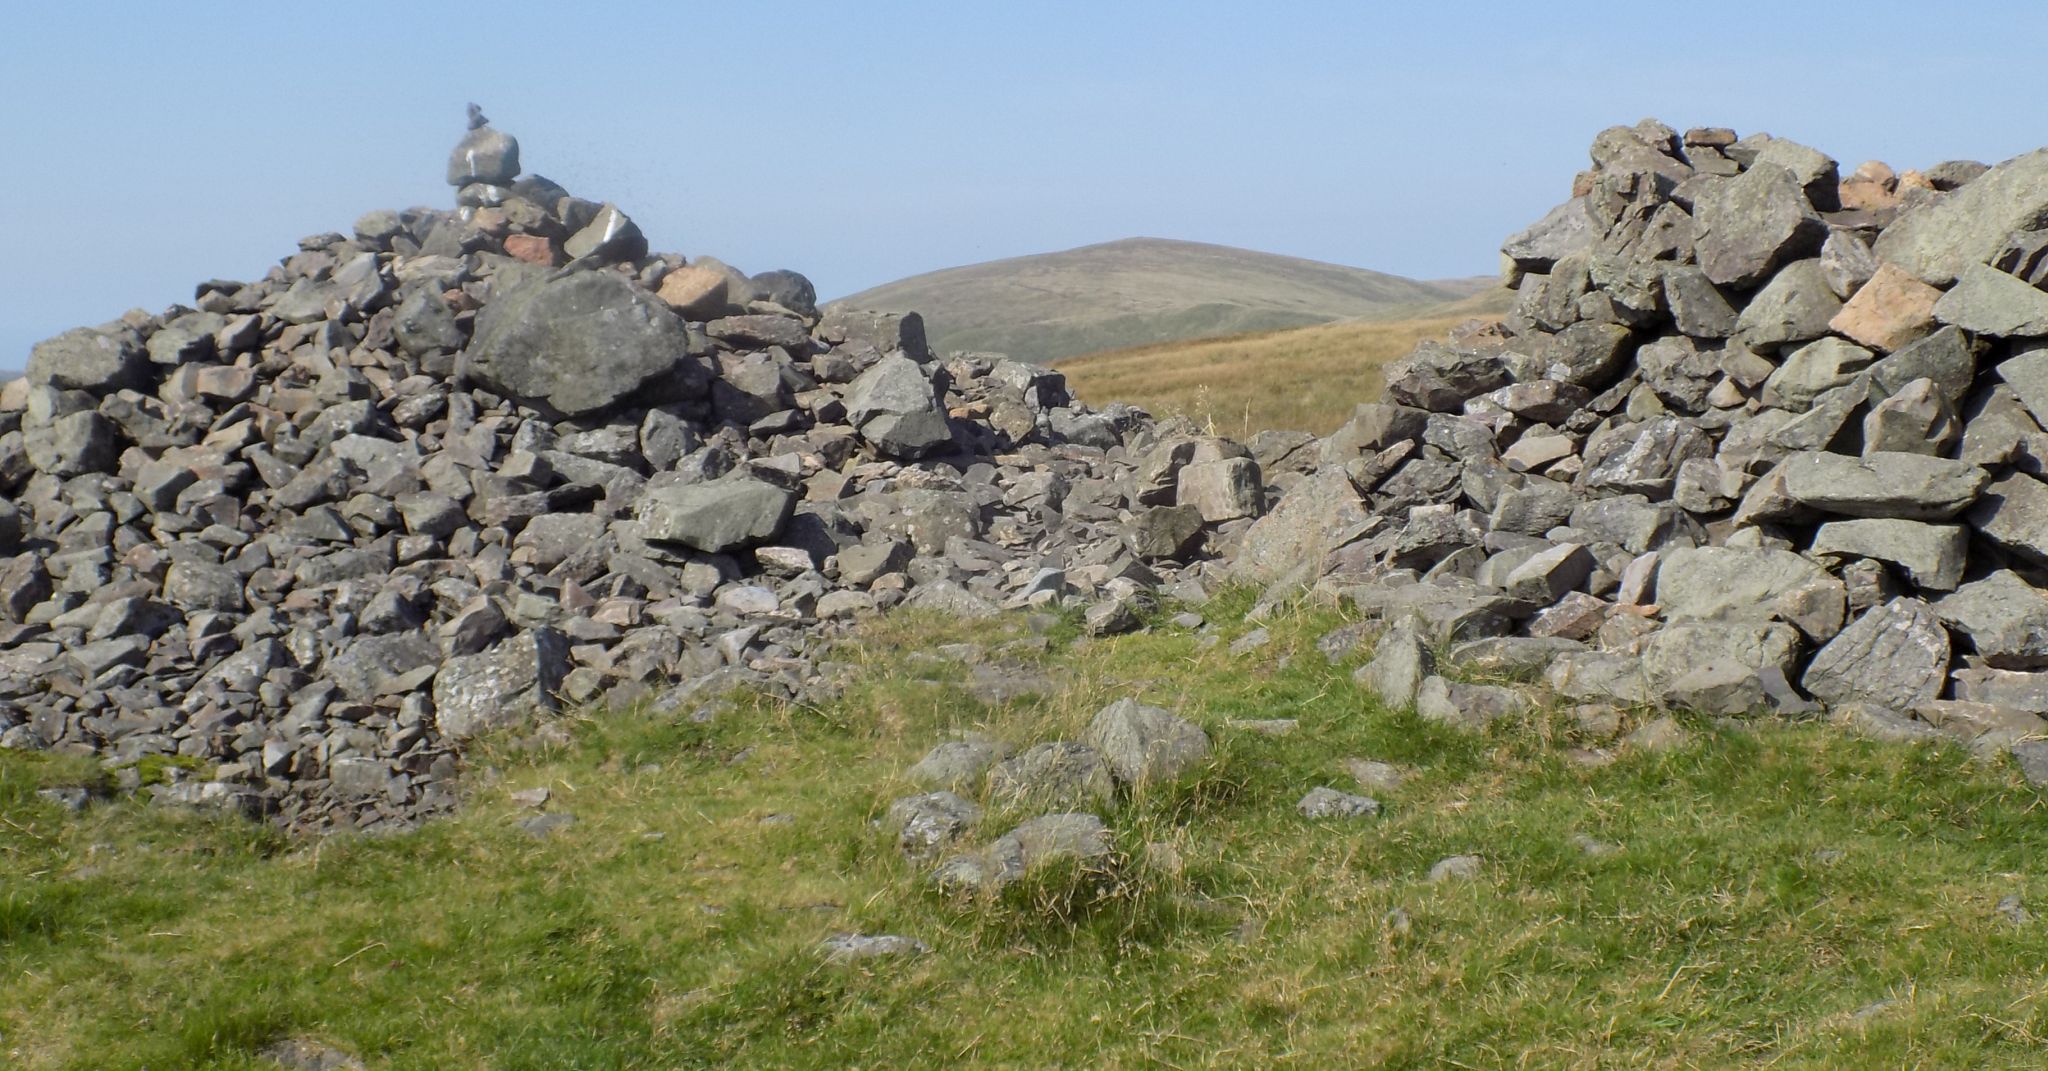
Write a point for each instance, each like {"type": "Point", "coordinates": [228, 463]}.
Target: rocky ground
{"type": "Point", "coordinates": [1759, 437]}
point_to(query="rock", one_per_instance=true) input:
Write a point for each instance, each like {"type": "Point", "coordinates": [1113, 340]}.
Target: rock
{"type": "Point", "coordinates": [1455, 868]}
{"type": "Point", "coordinates": [1735, 584]}
{"type": "Point", "coordinates": [576, 345]}
{"type": "Point", "coordinates": [1847, 261]}
{"type": "Point", "coordinates": [1466, 706]}
{"type": "Point", "coordinates": [1400, 662]}
{"type": "Point", "coordinates": [1079, 839]}
{"type": "Point", "coordinates": [1439, 378]}
{"type": "Point", "coordinates": [99, 360]}
{"type": "Point", "coordinates": [2027, 374]}
{"type": "Point", "coordinates": [1660, 734]}
{"type": "Point", "coordinates": [957, 764]}
{"type": "Point", "coordinates": [1938, 239]}
{"type": "Point", "coordinates": [1698, 307]}
{"type": "Point", "coordinates": [1222, 490]}
{"type": "Point", "coordinates": [1889, 312]}
{"type": "Point", "coordinates": [610, 235]}
{"type": "Point", "coordinates": [1564, 230]}
{"type": "Point", "coordinates": [1750, 224]}
{"type": "Point", "coordinates": [1321, 803]}
{"type": "Point", "coordinates": [2026, 692]}
{"type": "Point", "coordinates": [1144, 745]}
{"type": "Point", "coordinates": [1915, 420]}
{"type": "Point", "coordinates": [1054, 774]}
{"type": "Point", "coordinates": [926, 826]}
{"type": "Point", "coordinates": [484, 155]}
{"type": "Point", "coordinates": [499, 687]}
{"type": "Point", "coordinates": [1795, 306]}
{"type": "Point", "coordinates": [1641, 458]}
{"type": "Point", "coordinates": [2013, 514]}
{"type": "Point", "coordinates": [1316, 516]}
{"type": "Point", "coordinates": [2004, 618]}
{"type": "Point", "coordinates": [893, 405]}
{"type": "Point", "coordinates": [1895, 656]}
{"type": "Point", "coordinates": [1931, 555]}
{"type": "Point", "coordinates": [72, 445]}
{"type": "Point", "coordinates": [1586, 353]}
{"type": "Point", "coordinates": [1947, 357]}
{"type": "Point", "coordinates": [725, 514]}
{"type": "Point", "coordinates": [1165, 532]}
{"type": "Point", "coordinates": [841, 948]}
{"type": "Point", "coordinates": [1882, 484]}
{"type": "Point", "coordinates": [1986, 301]}
{"type": "Point", "coordinates": [696, 291]}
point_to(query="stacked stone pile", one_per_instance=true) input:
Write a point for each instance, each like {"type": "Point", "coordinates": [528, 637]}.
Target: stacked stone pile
{"type": "Point", "coordinates": [1758, 435]}
{"type": "Point", "coordinates": [313, 530]}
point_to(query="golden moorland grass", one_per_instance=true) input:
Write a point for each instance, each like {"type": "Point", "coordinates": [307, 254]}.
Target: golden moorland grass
{"type": "Point", "coordinates": [1302, 379]}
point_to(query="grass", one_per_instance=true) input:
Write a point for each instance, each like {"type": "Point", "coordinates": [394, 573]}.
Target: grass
{"type": "Point", "coordinates": [1305, 379]}
{"type": "Point", "coordinates": [1782, 897]}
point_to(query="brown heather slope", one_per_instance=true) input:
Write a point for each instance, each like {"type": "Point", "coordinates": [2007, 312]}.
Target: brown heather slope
{"type": "Point", "coordinates": [1303, 379]}
{"type": "Point", "coordinates": [1141, 291]}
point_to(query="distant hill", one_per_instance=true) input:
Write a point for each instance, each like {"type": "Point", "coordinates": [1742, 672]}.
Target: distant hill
{"type": "Point", "coordinates": [1140, 291]}
{"type": "Point", "coordinates": [1301, 379]}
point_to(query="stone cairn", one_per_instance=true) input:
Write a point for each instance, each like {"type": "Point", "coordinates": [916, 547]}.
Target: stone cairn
{"type": "Point", "coordinates": [315, 530]}
{"type": "Point", "coordinates": [1757, 436]}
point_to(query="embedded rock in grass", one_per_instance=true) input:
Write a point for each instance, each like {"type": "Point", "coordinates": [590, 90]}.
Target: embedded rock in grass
{"type": "Point", "coordinates": [1400, 661]}
{"type": "Point", "coordinates": [957, 764]}
{"type": "Point", "coordinates": [853, 947]}
{"type": "Point", "coordinates": [1143, 744]}
{"type": "Point", "coordinates": [929, 824]}
{"type": "Point", "coordinates": [1324, 802]}
{"type": "Point", "coordinates": [1466, 706]}
{"type": "Point", "coordinates": [1060, 773]}
{"type": "Point", "coordinates": [1080, 839]}
{"type": "Point", "coordinates": [1455, 868]}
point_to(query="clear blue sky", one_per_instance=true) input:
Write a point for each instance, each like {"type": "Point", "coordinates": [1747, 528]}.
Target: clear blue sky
{"type": "Point", "coordinates": [149, 146]}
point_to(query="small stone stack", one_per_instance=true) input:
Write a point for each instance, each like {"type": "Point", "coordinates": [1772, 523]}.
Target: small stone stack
{"type": "Point", "coordinates": [1757, 435]}
{"type": "Point", "coordinates": [313, 531]}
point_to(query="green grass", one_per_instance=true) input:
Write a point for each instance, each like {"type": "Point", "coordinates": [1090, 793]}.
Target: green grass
{"type": "Point", "coordinates": [671, 926]}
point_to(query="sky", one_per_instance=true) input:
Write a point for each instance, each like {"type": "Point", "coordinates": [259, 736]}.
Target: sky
{"type": "Point", "coordinates": [150, 146]}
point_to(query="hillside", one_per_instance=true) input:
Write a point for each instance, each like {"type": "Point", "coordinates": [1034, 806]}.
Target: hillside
{"type": "Point", "coordinates": [1140, 291]}
{"type": "Point", "coordinates": [1300, 379]}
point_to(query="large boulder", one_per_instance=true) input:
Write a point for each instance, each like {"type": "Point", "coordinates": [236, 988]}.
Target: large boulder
{"type": "Point", "coordinates": [100, 360]}
{"type": "Point", "coordinates": [1144, 745]}
{"type": "Point", "coordinates": [576, 345]}
{"type": "Point", "coordinates": [724, 514]}
{"type": "Point", "coordinates": [1316, 516]}
{"type": "Point", "coordinates": [895, 408]}
{"type": "Point", "coordinates": [501, 686]}
{"type": "Point", "coordinates": [1882, 484]}
{"type": "Point", "coordinates": [1895, 656]}
{"type": "Point", "coordinates": [1739, 583]}
{"type": "Point", "coordinates": [1931, 555]}
{"type": "Point", "coordinates": [1938, 239]}
{"type": "Point", "coordinates": [1750, 224]}
{"type": "Point", "coordinates": [484, 155]}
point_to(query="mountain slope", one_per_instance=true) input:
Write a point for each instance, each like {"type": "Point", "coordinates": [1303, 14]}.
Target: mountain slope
{"type": "Point", "coordinates": [1140, 291]}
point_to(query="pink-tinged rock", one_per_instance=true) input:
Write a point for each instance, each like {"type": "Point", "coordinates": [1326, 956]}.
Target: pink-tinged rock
{"type": "Point", "coordinates": [1892, 310]}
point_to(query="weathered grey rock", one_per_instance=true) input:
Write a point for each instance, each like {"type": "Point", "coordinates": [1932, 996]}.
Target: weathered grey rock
{"type": "Point", "coordinates": [1642, 458]}
{"type": "Point", "coordinates": [364, 668]}
{"type": "Point", "coordinates": [1636, 524]}
{"type": "Point", "coordinates": [1587, 354]}
{"type": "Point", "coordinates": [1165, 532]}
{"type": "Point", "coordinates": [1532, 510]}
{"type": "Point", "coordinates": [721, 515]}
{"type": "Point", "coordinates": [1455, 868]}
{"type": "Point", "coordinates": [1986, 301]}
{"type": "Point", "coordinates": [2027, 374]}
{"type": "Point", "coordinates": [610, 235]}
{"type": "Point", "coordinates": [1315, 516]}
{"type": "Point", "coordinates": [1078, 839]}
{"type": "Point", "coordinates": [2004, 618]}
{"type": "Point", "coordinates": [1144, 745]}
{"type": "Point", "coordinates": [72, 445]}
{"type": "Point", "coordinates": [100, 360]}
{"type": "Point", "coordinates": [1466, 706]}
{"type": "Point", "coordinates": [1734, 584]}
{"type": "Point", "coordinates": [1698, 307]}
{"type": "Point", "coordinates": [1400, 663]}
{"type": "Point", "coordinates": [1931, 555]}
{"type": "Point", "coordinates": [1549, 574]}
{"type": "Point", "coordinates": [1895, 656]}
{"type": "Point", "coordinates": [1562, 231]}
{"type": "Point", "coordinates": [1847, 261]}
{"type": "Point", "coordinates": [1947, 357]}
{"type": "Point", "coordinates": [577, 344]}
{"type": "Point", "coordinates": [2004, 687]}
{"type": "Point", "coordinates": [1224, 489]}
{"type": "Point", "coordinates": [2013, 513]}
{"type": "Point", "coordinates": [1324, 802]}
{"type": "Point", "coordinates": [1750, 224]}
{"type": "Point", "coordinates": [926, 826]}
{"type": "Point", "coordinates": [501, 686]}
{"type": "Point", "coordinates": [897, 386]}
{"type": "Point", "coordinates": [1938, 239]}
{"type": "Point", "coordinates": [1883, 484]}
{"type": "Point", "coordinates": [484, 155]}
{"type": "Point", "coordinates": [957, 764]}
{"type": "Point", "coordinates": [1812, 370]}
{"type": "Point", "coordinates": [1915, 420]}
{"type": "Point", "coordinates": [860, 947]}
{"type": "Point", "coordinates": [1439, 378]}
{"type": "Point", "coordinates": [1795, 306]}
{"type": "Point", "coordinates": [1060, 773]}
{"type": "Point", "coordinates": [1718, 666]}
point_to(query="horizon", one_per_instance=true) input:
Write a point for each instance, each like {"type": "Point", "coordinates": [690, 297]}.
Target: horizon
{"type": "Point", "coordinates": [882, 146]}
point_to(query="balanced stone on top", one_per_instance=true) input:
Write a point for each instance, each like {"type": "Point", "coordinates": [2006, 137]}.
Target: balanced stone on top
{"type": "Point", "coordinates": [483, 155]}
